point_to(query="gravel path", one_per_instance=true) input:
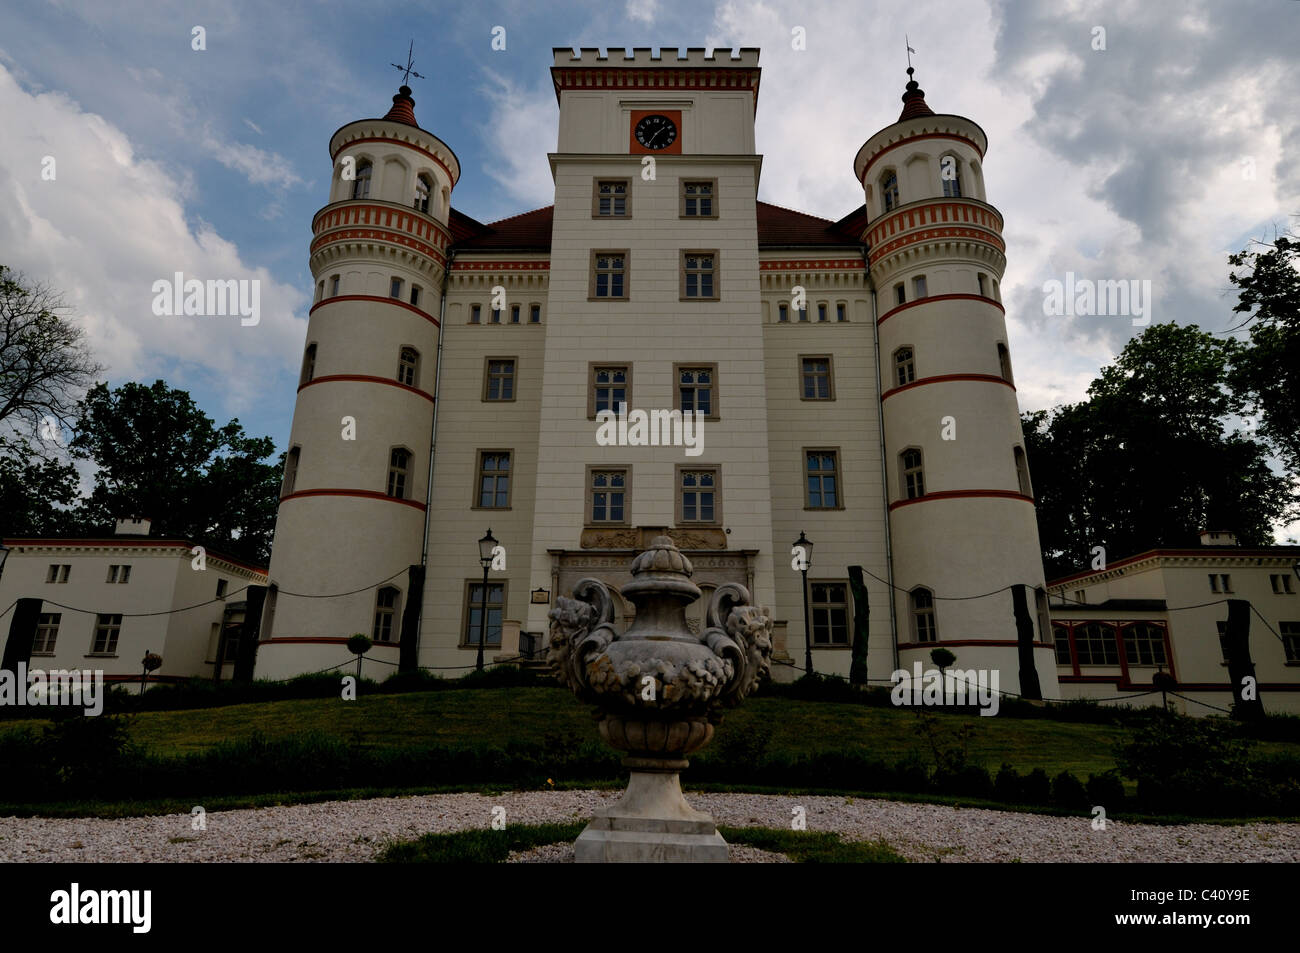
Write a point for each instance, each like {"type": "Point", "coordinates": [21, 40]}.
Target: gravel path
{"type": "Point", "coordinates": [355, 830]}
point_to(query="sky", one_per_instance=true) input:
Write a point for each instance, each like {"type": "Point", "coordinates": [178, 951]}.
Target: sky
{"type": "Point", "coordinates": [1142, 140]}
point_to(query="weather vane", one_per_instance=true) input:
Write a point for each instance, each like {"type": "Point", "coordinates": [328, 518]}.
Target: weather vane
{"type": "Point", "coordinates": [906, 42]}
{"type": "Point", "coordinates": [408, 70]}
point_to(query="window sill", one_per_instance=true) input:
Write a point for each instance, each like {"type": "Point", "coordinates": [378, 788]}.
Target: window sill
{"type": "Point", "coordinates": [817, 400]}
{"type": "Point", "coordinates": [51, 655]}
{"type": "Point", "coordinates": [595, 298]}
{"type": "Point", "coordinates": [838, 648]}
{"type": "Point", "coordinates": [822, 509]}
{"type": "Point", "coordinates": [487, 647]}
{"type": "Point", "coordinates": [100, 655]}
{"type": "Point", "coordinates": [499, 509]}
{"type": "Point", "coordinates": [685, 299]}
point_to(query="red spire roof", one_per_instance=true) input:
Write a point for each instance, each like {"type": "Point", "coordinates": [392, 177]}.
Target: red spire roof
{"type": "Point", "coordinates": [403, 108]}
{"type": "Point", "coordinates": [914, 100]}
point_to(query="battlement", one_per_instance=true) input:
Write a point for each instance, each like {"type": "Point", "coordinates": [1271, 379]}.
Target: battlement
{"type": "Point", "coordinates": [645, 56]}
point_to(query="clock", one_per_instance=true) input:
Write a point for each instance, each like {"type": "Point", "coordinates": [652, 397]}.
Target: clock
{"type": "Point", "coordinates": [656, 131]}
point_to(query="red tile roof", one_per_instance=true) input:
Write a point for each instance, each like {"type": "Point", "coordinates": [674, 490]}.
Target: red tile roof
{"type": "Point", "coordinates": [403, 108]}
{"type": "Point", "coordinates": [777, 226]}
{"type": "Point", "coordinates": [914, 100]}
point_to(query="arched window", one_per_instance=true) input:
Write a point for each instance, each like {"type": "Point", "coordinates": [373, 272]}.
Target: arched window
{"type": "Point", "coordinates": [950, 174]}
{"type": "Point", "coordinates": [423, 189]}
{"type": "Point", "coordinates": [361, 184]}
{"type": "Point", "coordinates": [1095, 644]}
{"type": "Point", "coordinates": [1004, 362]}
{"type": "Point", "coordinates": [308, 364]}
{"type": "Point", "coordinates": [408, 366]}
{"type": "Point", "coordinates": [923, 627]}
{"type": "Point", "coordinates": [1022, 472]}
{"type": "Point", "coordinates": [913, 477]}
{"type": "Point", "coordinates": [889, 190]}
{"type": "Point", "coordinates": [386, 600]}
{"type": "Point", "coordinates": [290, 471]}
{"type": "Point", "coordinates": [904, 366]}
{"type": "Point", "coordinates": [399, 463]}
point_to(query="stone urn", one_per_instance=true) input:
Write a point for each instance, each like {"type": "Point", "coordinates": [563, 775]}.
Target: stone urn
{"type": "Point", "coordinates": [659, 691]}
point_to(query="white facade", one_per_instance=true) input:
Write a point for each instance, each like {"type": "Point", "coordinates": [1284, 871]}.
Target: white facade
{"type": "Point", "coordinates": [789, 389]}
{"type": "Point", "coordinates": [106, 602]}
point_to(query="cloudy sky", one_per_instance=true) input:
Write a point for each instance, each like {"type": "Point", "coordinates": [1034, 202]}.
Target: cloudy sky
{"type": "Point", "coordinates": [1150, 159]}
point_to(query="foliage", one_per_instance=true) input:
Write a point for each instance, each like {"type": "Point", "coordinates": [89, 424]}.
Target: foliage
{"type": "Point", "coordinates": [942, 658]}
{"type": "Point", "coordinates": [1148, 459]}
{"type": "Point", "coordinates": [359, 643]}
{"type": "Point", "coordinates": [36, 492]}
{"type": "Point", "coordinates": [160, 456]}
{"type": "Point", "coordinates": [1193, 763]}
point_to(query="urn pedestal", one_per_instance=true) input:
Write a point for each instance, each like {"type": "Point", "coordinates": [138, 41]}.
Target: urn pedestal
{"type": "Point", "coordinates": [659, 692]}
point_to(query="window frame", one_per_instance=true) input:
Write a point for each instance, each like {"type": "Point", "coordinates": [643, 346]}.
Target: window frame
{"type": "Point", "coordinates": [1021, 462]}
{"type": "Point", "coordinates": [837, 474]}
{"type": "Point", "coordinates": [534, 308]}
{"type": "Point", "coordinates": [393, 614]}
{"type": "Point", "coordinates": [1132, 649]}
{"type": "Point", "coordinates": [592, 368]}
{"type": "Point", "coordinates": [479, 472]}
{"type": "Point", "coordinates": [475, 314]}
{"type": "Point", "coordinates": [909, 365]}
{"type": "Point", "coordinates": [395, 287]}
{"type": "Point", "coordinates": [414, 366]}
{"type": "Point", "coordinates": [289, 480]}
{"type": "Point", "coordinates": [589, 515]}
{"type": "Point", "coordinates": [113, 633]}
{"type": "Point", "coordinates": [486, 395]}
{"type": "Point", "coordinates": [307, 372]}
{"type": "Point", "coordinates": [1113, 641]}
{"type": "Point", "coordinates": [681, 197]}
{"type": "Point", "coordinates": [712, 368]}
{"type": "Point", "coordinates": [47, 633]}
{"type": "Point", "coordinates": [679, 493]}
{"type": "Point", "coordinates": [596, 183]}
{"type": "Point", "coordinates": [841, 312]}
{"type": "Point", "coordinates": [905, 489]}
{"type": "Point", "coordinates": [782, 312]}
{"type": "Point", "coordinates": [886, 205]}
{"type": "Point", "coordinates": [814, 606]}
{"type": "Point", "coordinates": [627, 274]}
{"type": "Point", "coordinates": [682, 273]}
{"type": "Point", "coordinates": [830, 377]}
{"type": "Point", "coordinates": [920, 288]}
{"type": "Point", "coordinates": [406, 472]}
{"type": "Point", "coordinates": [364, 172]}
{"type": "Point", "coordinates": [470, 604]}
{"type": "Point", "coordinates": [916, 613]}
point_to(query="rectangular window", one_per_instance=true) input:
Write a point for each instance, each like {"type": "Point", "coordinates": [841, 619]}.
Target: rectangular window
{"type": "Point", "coordinates": [399, 462]}
{"type": "Point", "coordinates": [475, 314]}
{"type": "Point", "coordinates": [334, 285]}
{"type": "Point", "coordinates": [816, 378]}
{"type": "Point", "coordinates": [783, 312]}
{"type": "Point", "coordinates": [699, 198]}
{"type": "Point", "coordinates": [58, 572]}
{"type": "Point", "coordinates": [1096, 645]}
{"type": "Point", "coordinates": [494, 480]}
{"type": "Point", "coordinates": [699, 275]}
{"type": "Point", "coordinates": [697, 389]}
{"type": "Point", "coordinates": [112, 574]}
{"type": "Point", "coordinates": [900, 294]}
{"type": "Point", "coordinates": [829, 605]}
{"type": "Point", "coordinates": [385, 614]}
{"type": "Point", "coordinates": [499, 379]}
{"type": "Point", "coordinates": [47, 633]}
{"type": "Point", "coordinates": [415, 295]}
{"type": "Point", "coordinates": [473, 615]}
{"type": "Point", "coordinates": [918, 287]}
{"type": "Point", "coordinates": [1144, 645]}
{"type": "Point", "coordinates": [1061, 636]}
{"type": "Point", "coordinates": [612, 198]}
{"type": "Point", "coordinates": [535, 314]}
{"type": "Point", "coordinates": [983, 283]}
{"type": "Point", "coordinates": [607, 491]}
{"type": "Point", "coordinates": [1214, 582]}
{"type": "Point", "coordinates": [803, 314]}
{"type": "Point", "coordinates": [223, 586]}
{"type": "Point", "coordinates": [841, 311]}
{"type": "Point", "coordinates": [107, 628]}
{"type": "Point", "coordinates": [821, 311]}
{"type": "Point", "coordinates": [698, 495]}
{"type": "Point", "coordinates": [821, 470]}
{"type": "Point", "coordinates": [1290, 632]}
{"type": "Point", "coordinates": [1281, 584]}
{"type": "Point", "coordinates": [496, 315]}
{"type": "Point", "coordinates": [609, 276]}
{"type": "Point", "coordinates": [395, 288]}
{"type": "Point", "coordinates": [611, 385]}
{"type": "Point", "coordinates": [514, 314]}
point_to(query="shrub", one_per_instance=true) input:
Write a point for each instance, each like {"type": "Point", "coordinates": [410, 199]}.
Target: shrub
{"type": "Point", "coordinates": [1188, 763]}
{"type": "Point", "coordinates": [1007, 785]}
{"type": "Point", "coordinates": [1069, 792]}
{"type": "Point", "coordinates": [1036, 788]}
{"type": "Point", "coordinates": [1105, 789]}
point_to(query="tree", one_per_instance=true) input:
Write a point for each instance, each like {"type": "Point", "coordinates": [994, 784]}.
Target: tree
{"type": "Point", "coordinates": [44, 361]}
{"type": "Point", "coordinates": [1268, 370]}
{"type": "Point", "coordinates": [1147, 460]}
{"type": "Point", "coordinates": [35, 492]}
{"type": "Point", "coordinates": [162, 457]}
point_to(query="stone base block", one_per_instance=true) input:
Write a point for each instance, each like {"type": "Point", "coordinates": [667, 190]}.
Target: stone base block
{"type": "Point", "coordinates": [651, 824]}
{"type": "Point", "coordinates": [600, 846]}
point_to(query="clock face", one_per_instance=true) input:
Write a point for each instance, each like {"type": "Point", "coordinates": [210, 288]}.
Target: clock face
{"type": "Point", "coordinates": [656, 132]}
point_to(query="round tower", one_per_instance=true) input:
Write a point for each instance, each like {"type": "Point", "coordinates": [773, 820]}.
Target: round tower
{"type": "Point", "coordinates": [961, 508]}
{"type": "Point", "coordinates": [352, 505]}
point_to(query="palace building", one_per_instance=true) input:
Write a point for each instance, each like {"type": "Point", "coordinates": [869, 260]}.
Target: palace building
{"type": "Point", "coordinates": [850, 380]}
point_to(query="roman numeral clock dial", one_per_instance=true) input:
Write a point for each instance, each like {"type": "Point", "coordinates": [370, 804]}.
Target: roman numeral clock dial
{"type": "Point", "coordinates": [656, 132]}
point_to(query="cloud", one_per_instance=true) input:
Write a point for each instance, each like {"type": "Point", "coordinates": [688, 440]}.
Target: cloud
{"type": "Point", "coordinates": [520, 131]}
{"type": "Point", "coordinates": [642, 11]}
{"type": "Point", "coordinates": [110, 224]}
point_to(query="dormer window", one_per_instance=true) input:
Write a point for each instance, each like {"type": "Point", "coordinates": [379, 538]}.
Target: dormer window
{"type": "Point", "coordinates": [889, 191]}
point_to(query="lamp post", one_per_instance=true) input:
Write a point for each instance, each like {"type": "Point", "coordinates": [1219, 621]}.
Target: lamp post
{"type": "Point", "coordinates": [485, 547]}
{"type": "Point", "coordinates": [802, 551]}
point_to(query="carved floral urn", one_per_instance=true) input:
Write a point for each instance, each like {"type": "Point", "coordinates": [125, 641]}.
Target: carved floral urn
{"type": "Point", "coordinates": [659, 690]}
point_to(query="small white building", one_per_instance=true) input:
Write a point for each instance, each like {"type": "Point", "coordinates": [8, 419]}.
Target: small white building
{"type": "Point", "coordinates": [101, 604]}
{"type": "Point", "coordinates": [1167, 610]}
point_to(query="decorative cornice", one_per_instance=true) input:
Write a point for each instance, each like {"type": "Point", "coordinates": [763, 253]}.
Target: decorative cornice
{"type": "Point", "coordinates": [947, 378]}
{"type": "Point", "coordinates": [378, 300]}
{"type": "Point", "coordinates": [964, 494]}
{"type": "Point", "coordinates": [366, 379]}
